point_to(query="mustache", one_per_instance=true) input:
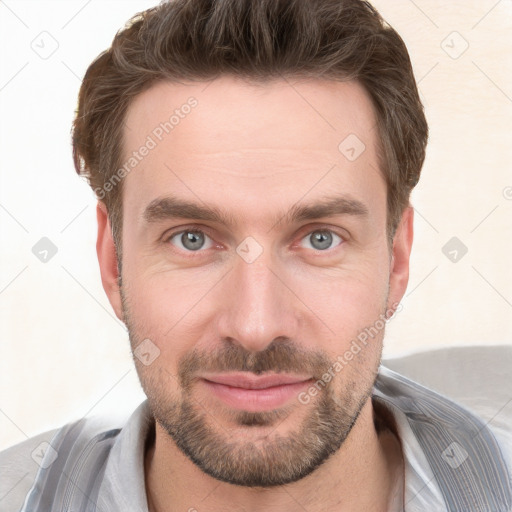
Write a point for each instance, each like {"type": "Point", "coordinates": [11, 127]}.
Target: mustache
{"type": "Point", "coordinates": [280, 356]}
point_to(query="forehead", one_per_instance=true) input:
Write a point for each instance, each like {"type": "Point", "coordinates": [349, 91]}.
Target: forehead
{"type": "Point", "coordinates": [248, 141]}
{"type": "Point", "coordinates": [316, 110]}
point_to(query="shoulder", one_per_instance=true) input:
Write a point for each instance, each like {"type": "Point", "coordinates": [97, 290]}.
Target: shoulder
{"type": "Point", "coordinates": [457, 404]}
{"type": "Point", "coordinates": [477, 377]}
{"type": "Point", "coordinates": [25, 463]}
{"type": "Point", "coordinates": [18, 468]}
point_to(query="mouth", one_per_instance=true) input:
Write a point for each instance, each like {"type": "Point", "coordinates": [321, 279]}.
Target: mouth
{"type": "Point", "coordinates": [249, 392]}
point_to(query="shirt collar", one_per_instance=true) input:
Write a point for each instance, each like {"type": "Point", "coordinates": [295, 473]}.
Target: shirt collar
{"type": "Point", "coordinates": [123, 486]}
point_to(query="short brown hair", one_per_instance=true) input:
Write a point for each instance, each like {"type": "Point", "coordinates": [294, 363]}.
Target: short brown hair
{"type": "Point", "coordinates": [256, 40]}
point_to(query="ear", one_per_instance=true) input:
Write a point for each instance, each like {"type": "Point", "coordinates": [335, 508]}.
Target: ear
{"type": "Point", "coordinates": [106, 250]}
{"type": "Point", "coordinates": [399, 264]}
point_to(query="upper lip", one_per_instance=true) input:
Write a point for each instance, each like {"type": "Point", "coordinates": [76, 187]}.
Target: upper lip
{"type": "Point", "coordinates": [251, 381]}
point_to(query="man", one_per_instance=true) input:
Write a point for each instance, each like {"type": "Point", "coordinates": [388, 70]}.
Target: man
{"type": "Point", "coordinates": [253, 163]}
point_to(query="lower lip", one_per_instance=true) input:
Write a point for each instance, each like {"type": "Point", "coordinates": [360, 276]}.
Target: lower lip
{"type": "Point", "coordinates": [255, 400]}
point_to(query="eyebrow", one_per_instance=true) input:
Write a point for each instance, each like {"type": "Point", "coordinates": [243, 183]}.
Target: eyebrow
{"type": "Point", "coordinates": [170, 207]}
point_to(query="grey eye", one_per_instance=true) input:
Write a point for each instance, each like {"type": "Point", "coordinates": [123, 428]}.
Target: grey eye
{"type": "Point", "coordinates": [321, 239]}
{"type": "Point", "coordinates": [190, 240]}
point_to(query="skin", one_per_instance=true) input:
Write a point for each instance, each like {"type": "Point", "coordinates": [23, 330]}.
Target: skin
{"type": "Point", "coordinates": [254, 152]}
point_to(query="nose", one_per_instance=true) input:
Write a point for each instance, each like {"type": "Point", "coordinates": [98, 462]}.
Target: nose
{"type": "Point", "coordinates": [259, 307]}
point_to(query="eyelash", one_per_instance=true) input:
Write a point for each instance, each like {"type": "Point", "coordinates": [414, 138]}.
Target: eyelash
{"type": "Point", "coordinates": [168, 238]}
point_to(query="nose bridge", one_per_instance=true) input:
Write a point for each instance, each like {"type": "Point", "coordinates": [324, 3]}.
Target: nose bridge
{"type": "Point", "coordinates": [260, 307]}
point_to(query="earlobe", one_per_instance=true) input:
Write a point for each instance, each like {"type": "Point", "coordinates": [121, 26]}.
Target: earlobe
{"type": "Point", "coordinates": [399, 264]}
{"type": "Point", "coordinates": [106, 251]}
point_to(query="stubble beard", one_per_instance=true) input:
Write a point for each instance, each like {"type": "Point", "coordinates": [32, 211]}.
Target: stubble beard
{"type": "Point", "coordinates": [274, 459]}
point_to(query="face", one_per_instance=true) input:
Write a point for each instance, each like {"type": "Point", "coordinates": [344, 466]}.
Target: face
{"type": "Point", "coordinates": [255, 255]}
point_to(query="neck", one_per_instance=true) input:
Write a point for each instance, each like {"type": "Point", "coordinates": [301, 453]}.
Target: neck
{"type": "Point", "coordinates": [359, 476]}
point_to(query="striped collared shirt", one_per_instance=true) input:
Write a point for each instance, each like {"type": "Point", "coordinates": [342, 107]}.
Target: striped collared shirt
{"type": "Point", "coordinates": [453, 461]}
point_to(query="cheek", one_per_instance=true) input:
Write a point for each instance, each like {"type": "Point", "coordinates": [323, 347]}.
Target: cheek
{"type": "Point", "coordinates": [168, 309]}
{"type": "Point", "coordinates": [346, 298]}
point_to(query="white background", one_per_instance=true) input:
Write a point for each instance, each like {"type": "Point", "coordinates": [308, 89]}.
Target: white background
{"type": "Point", "coordinates": [64, 355]}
